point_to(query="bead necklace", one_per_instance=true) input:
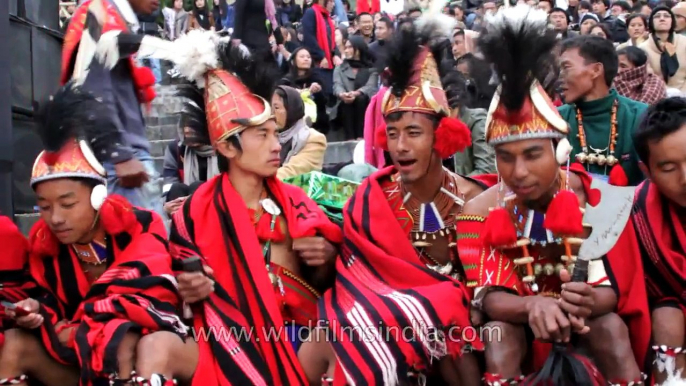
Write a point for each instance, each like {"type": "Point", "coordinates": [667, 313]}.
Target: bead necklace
{"type": "Point", "coordinates": [436, 218]}
{"type": "Point", "coordinates": [596, 157]}
{"type": "Point", "coordinates": [93, 253]}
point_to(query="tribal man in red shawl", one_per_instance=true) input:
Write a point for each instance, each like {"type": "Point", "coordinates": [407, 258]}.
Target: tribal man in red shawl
{"type": "Point", "coordinates": [108, 302]}
{"type": "Point", "coordinates": [518, 239]}
{"type": "Point", "coordinates": [268, 250]}
{"type": "Point", "coordinates": [660, 221]}
{"type": "Point", "coordinates": [400, 271]}
{"type": "Point", "coordinates": [15, 283]}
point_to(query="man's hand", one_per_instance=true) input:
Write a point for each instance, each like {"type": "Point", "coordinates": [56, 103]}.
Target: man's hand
{"type": "Point", "coordinates": [324, 63]}
{"type": "Point", "coordinates": [577, 301]}
{"type": "Point", "coordinates": [172, 206]}
{"type": "Point", "coordinates": [337, 61]}
{"type": "Point", "coordinates": [131, 173]}
{"type": "Point", "coordinates": [315, 88]}
{"type": "Point", "coordinates": [347, 97]}
{"type": "Point", "coordinates": [195, 286]}
{"type": "Point", "coordinates": [547, 321]}
{"type": "Point", "coordinates": [669, 47]}
{"type": "Point", "coordinates": [314, 251]}
{"type": "Point", "coordinates": [65, 334]}
{"type": "Point", "coordinates": [30, 321]}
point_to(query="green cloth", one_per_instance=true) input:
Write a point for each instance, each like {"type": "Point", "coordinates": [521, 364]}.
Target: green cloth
{"type": "Point", "coordinates": [479, 158]}
{"type": "Point", "coordinates": [596, 119]}
{"type": "Point", "coordinates": [329, 192]}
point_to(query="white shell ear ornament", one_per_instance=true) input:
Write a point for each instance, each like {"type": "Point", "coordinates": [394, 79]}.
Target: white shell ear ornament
{"type": "Point", "coordinates": [98, 196]}
{"type": "Point", "coordinates": [270, 207]}
{"type": "Point", "coordinates": [563, 150]}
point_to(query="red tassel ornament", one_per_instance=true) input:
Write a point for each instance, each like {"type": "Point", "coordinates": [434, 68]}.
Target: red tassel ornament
{"type": "Point", "coordinates": [452, 136]}
{"type": "Point", "coordinates": [618, 176]}
{"type": "Point", "coordinates": [563, 216]}
{"type": "Point", "coordinates": [144, 80]}
{"type": "Point", "coordinates": [499, 230]}
{"type": "Point", "coordinates": [380, 138]}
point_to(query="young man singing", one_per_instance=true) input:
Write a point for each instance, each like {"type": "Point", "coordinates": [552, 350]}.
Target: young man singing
{"type": "Point", "coordinates": [518, 239]}
{"type": "Point", "coordinates": [400, 268]}
{"type": "Point", "coordinates": [660, 219]}
{"type": "Point", "coordinates": [108, 301]}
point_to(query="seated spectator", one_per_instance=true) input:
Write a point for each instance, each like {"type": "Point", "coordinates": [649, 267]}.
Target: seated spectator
{"type": "Point", "coordinates": [288, 12]}
{"type": "Point", "coordinates": [192, 160]}
{"type": "Point", "coordinates": [588, 20]}
{"type": "Point", "coordinates": [637, 27]}
{"type": "Point", "coordinates": [634, 80]}
{"type": "Point", "coordinates": [601, 30]}
{"type": "Point", "coordinates": [355, 82]}
{"type": "Point", "coordinates": [679, 11]}
{"type": "Point", "coordinates": [341, 37]}
{"type": "Point", "coordinates": [666, 49]}
{"type": "Point", "coordinates": [383, 32]}
{"type": "Point", "coordinates": [175, 20]}
{"type": "Point", "coordinates": [478, 158]}
{"type": "Point", "coordinates": [365, 27]}
{"type": "Point", "coordinates": [302, 76]}
{"type": "Point", "coordinates": [302, 148]}
{"type": "Point", "coordinates": [201, 17]}
{"type": "Point", "coordinates": [319, 38]}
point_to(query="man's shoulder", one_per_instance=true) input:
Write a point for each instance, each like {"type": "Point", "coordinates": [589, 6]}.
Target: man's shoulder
{"type": "Point", "coordinates": [566, 109]}
{"type": "Point", "coordinates": [632, 105]}
{"type": "Point", "coordinates": [481, 204]}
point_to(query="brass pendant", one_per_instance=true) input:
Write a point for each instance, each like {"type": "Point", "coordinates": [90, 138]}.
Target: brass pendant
{"type": "Point", "coordinates": [592, 159]}
{"type": "Point", "coordinates": [537, 269]}
{"type": "Point", "coordinates": [611, 160]}
{"type": "Point", "coordinates": [602, 160]}
{"type": "Point", "coordinates": [582, 157]}
{"type": "Point", "coordinates": [548, 269]}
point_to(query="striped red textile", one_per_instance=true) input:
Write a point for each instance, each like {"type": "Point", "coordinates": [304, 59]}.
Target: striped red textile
{"type": "Point", "coordinates": [136, 293]}
{"type": "Point", "coordinates": [214, 224]}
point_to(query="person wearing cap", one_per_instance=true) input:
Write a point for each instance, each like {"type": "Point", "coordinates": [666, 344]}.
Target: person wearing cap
{"type": "Point", "coordinates": [400, 268]}
{"type": "Point", "coordinates": [107, 290]}
{"type": "Point", "coordinates": [267, 250]}
{"type": "Point", "coordinates": [666, 49]}
{"type": "Point", "coordinates": [587, 22]}
{"type": "Point", "coordinates": [679, 11]}
{"type": "Point", "coordinates": [600, 120]}
{"type": "Point", "coordinates": [519, 239]}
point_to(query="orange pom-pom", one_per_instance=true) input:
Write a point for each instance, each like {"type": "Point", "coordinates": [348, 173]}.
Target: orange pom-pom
{"type": "Point", "coordinates": [499, 230]}
{"type": "Point", "coordinates": [116, 215]}
{"type": "Point", "coordinates": [380, 138]}
{"type": "Point", "coordinates": [452, 136]}
{"type": "Point", "coordinates": [618, 176]}
{"type": "Point", "coordinates": [563, 216]}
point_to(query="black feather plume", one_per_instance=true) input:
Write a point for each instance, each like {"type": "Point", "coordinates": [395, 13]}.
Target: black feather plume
{"type": "Point", "coordinates": [519, 45]}
{"type": "Point", "coordinates": [258, 70]}
{"type": "Point", "coordinates": [455, 86]}
{"type": "Point", "coordinates": [193, 113]}
{"type": "Point", "coordinates": [402, 52]}
{"type": "Point", "coordinates": [73, 113]}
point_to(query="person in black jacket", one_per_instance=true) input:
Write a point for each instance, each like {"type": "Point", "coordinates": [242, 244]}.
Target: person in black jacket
{"type": "Point", "coordinates": [287, 12]}
{"type": "Point", "coordinates": [252, 26]}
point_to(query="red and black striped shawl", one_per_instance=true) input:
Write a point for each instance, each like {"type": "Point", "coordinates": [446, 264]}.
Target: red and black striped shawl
{"type": "Point", "coordinates": [214, 224]}
{"type": "Point", "coordinates": [137, 292]}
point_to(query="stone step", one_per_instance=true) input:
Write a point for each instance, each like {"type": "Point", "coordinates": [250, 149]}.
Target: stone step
{"type": "Point", "coordinates": [158, 147]}
{"type": "Point", "coordinates": [26, 221]}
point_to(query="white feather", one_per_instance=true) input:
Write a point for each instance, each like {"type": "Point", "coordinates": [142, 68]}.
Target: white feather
{"type": "Point", "coordinates": [433, 19]}
{"type": "Point", "coordinates": [107, 51]}
{"type": "Point", "coordinates": [674, 376]}
{"type": "Point", "coordinates": [517, 17]}
{"type": "Point", "coordinates": [195, 54]}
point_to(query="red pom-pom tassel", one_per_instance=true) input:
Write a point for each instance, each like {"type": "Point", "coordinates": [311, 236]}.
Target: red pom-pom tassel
{"type": "Point", "coordinates": [563, 216]}
{"type": "Point", "coordinates": [452, 136]}
{"type": "Point", "coordinates": [380, 138]}
{"type": "Point", "coordinates": [116, 215]}
{"type": "Point", "coordinates": [143, 77]}
{"type": "Point", "coordinates": [499, 230]}
{"type": "Point", "coordinates": [618, 176]}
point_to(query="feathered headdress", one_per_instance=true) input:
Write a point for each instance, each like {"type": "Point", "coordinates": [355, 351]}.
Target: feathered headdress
{"type": "Point", "coordinates": [414, 79]}
{"type": "Point", "coordinates": [519, 44]}
{"type": "Point", "coordinates": [236, 83]}
{"type": "Point", "coordinates": [69, 123]}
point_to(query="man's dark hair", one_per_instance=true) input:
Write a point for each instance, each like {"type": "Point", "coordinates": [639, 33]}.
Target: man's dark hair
{"type": "Point", "coordinates": [458, 32]}
{"type": "Point", "coordinates": [398, 115]}
{"type": "Point", "coordinates": [539, 2]}
{"type": "Point", "coordinates": [223, 162]}
{"type": "Point", "coordinates": [635, 55]}
{"type": "Point", "coordinates": [413, 10]}
{"type": "Point", "coordinates": [605, 28]}
{"type": "Point", "coordinates": [623, 4]}
{"type": "Point", "coordinates": [359, 17]}
{"type": "Point", "coordinates": [560, 10]}
{"type": "Point", "coordinates": [606, 3]}
{"type": "Point", "coordinates": [595, 49]}
{"type": "Point", "coordinates": [660, 120]}
{"type": "Point", "coordinates": [585, 5]}
{"type": "Point", "coordinates": [387, 21]}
